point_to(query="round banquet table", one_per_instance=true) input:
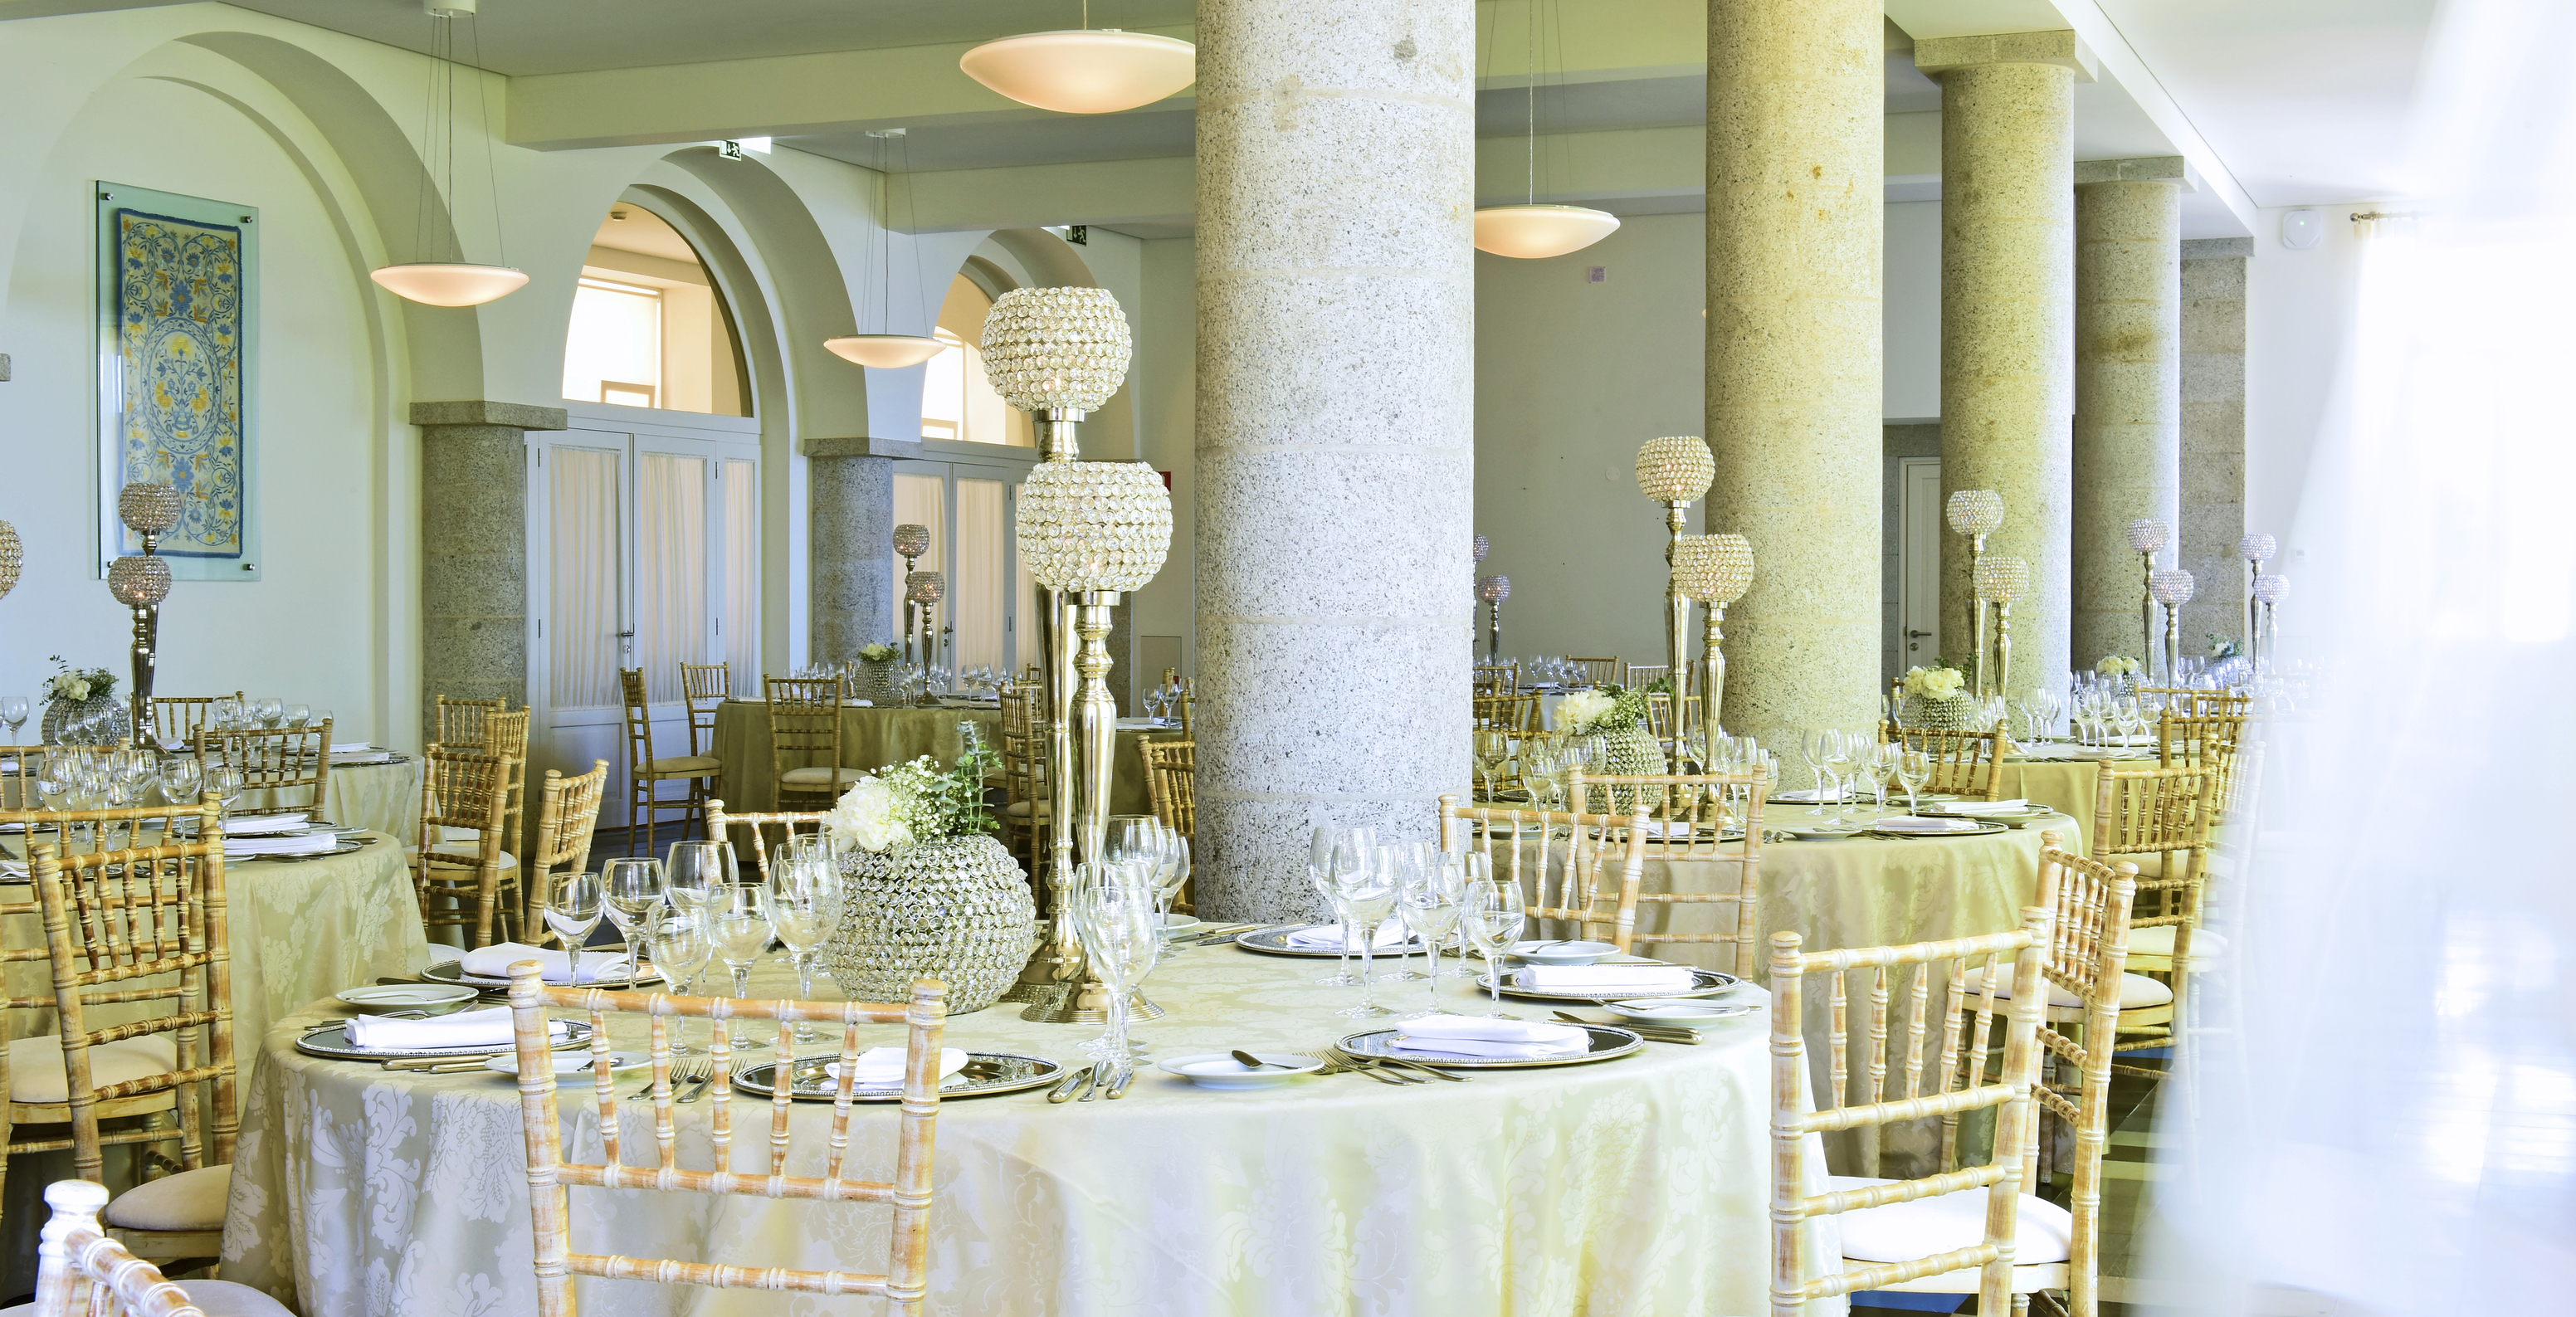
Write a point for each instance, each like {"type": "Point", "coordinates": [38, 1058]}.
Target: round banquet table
{"type": "Point", "coordinates": [1630, 1186]}
{"type": "Point", "coordinates": [874, 736]}
{"type": "Point", "coordinates": [380, 797]}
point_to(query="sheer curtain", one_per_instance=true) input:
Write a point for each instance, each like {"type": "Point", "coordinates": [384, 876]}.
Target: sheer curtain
{"type": "Point", "coordinates": [742, 574]}
{"type": "Point", "coordinates": [975, 593]}
{"type": "Point", "coordinates": [670, 569]}
{"type": "Point", "coordinates": [582, 521]}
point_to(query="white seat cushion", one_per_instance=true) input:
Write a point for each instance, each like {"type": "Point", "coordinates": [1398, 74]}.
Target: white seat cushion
{"type": "Point", "coordinates": [818, 775]}
{"type": "Point", "coordinates": [1901, 1232]}
{"type": "Point", "coordinates": [218, 1298]}
{"type": "Point", "coordinates": [2136, 990]}
{"type": "Point", "coordinates": [689, 764]}
{"type": "Point", "coordinates": [190, 1200]}
{"type": "Point", "coordinates": [1021, 809]}
{"type": "Point", "coordinates": [36, 1065]}
{"type": "Point", "coordinates": [463, 850]}
{"type": "Point", "coordinates": [2206, 947]}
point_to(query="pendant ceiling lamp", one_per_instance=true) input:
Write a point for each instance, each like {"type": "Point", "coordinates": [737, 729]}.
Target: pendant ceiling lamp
{"type": "Point", "coordinates": [1530, 231]}
{"type": "Point", "coordinates": [1091, 71]}
{"type": "Point", "coordinates": [888, 351]}
{"type": "Point", "coordinates": [455, 281]}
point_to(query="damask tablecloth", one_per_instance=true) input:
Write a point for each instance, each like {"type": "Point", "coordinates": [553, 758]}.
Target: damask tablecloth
{"type": "Point", "coordinates": [378, 797]}
{"type": "Point", "coordinates": [1630, 1187]}
{"type": "Point", "coordinates": [873, 737]}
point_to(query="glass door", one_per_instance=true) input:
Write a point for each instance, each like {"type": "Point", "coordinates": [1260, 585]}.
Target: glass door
{"type": "Point", "coordinates": [986, 620]}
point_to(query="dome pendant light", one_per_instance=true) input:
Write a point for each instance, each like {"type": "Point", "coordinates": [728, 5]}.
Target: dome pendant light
{"type": "Point", "coordinates": [1531, 231]}
{"type": "Point", "coordinates": [454, 282]}
{"type": "Point", "coordinates": [1091, 71]}
{"type": "Point", "coordinates": [888, 351]}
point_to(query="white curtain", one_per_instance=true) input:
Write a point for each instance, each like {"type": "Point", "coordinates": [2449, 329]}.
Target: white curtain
{"type": "Point", "coordinates": [670, 569]}
{"type": "Point", "coordinates": [975, 592]}
{"type": "Point", "coordinates": [582, 525]}
{"type": "Point", "coordinates": [919, 501]}
{"type": "Point", "coordinates": [742, 573]}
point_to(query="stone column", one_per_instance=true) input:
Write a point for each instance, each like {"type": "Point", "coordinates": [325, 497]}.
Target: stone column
{"type": "Point", "coordinates": [1796, 220]}
{"type": "Point", "coordinates": [2128, 390]}
{"type": "Point", "coordinates": [1335, 449]}
{"type": "Point", "coordinates": [2008, 319]}
{"type": "Point", "coordinates": [2213, 437]}
{"type": "Point", "coordinates": [474, 550]}
{"type": "Point", "coordinates": [850, 483]}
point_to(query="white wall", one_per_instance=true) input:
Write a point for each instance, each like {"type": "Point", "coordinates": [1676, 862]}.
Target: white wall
{"type": "Point", "coordinates": [2299, 320]}
{"type": "Point", "coordinates": [1910, 319]}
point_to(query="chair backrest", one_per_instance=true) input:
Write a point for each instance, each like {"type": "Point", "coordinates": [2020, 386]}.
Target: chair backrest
{"type": "Point", "coordinates": [639, 721]}
{"type": "Point", "coordinates": [1952, 986]}
{"type": "Point", "coordinates": [283, 761]}
{"type": "Point", "coordinates": [804, 722]}
{"type": "Point", "coordinates": [1514, 713]}
{"type": "Point", "coordinates": [1967, 764]}
{"type": "Point", "coordinates": [2166, 812]}
{"type": "Point", "coordinates": [1597, 671]}
{"type": "Point", "coordinates": [1659, 716]}
{"type": "Point", "coordinates": [1171, 780]}
{"type": "Point", "coordinates": [1562, 876]}
{"type": "Point", "coordinates": [178, 718]}
{"type": "Point", "coordinates": [788, 823]}
{"type": "Point", "coordinates": [704, 686]}
{"type": "Point", "coordinates": [460, 722]}
{"type": "Point", "coordinates": [506, 734]}
{"type": "Point", "coordinates": [18, 767]}
{"type": "Point", "coordinates": [1638, 676]}
{"type": "Point", "coordinates": [1497, 678]}
{"type": "Point", "coordinates": [1685, 822]}
{"type": "Point", "coordinates": [2088, 952]}
{"type": "Point", "coordinates": [80, 1272]}
{"type": "Point", "coordinates": [1025, 731]}
{"type": "Point", "coordinates": [2214, 742]}
{"type": "Point", "coordinates": [2199, 703]}
{"type": "Point", "coordinates": [461, 789]}
{"type": "Point", "coordinates": [567, 811]}
{"type": "Point", "coordinates": [125, 929]}
{"type": "Point", "coordinates": [550, 1175]}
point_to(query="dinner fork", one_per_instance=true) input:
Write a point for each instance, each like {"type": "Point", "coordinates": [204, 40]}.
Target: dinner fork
{"type": "Point", "coordinates": [683, 1073]}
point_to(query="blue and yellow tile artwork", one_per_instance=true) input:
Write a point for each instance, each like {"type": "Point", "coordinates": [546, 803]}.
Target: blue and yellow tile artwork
{"type": "Point", "coordinates": [179, 344]}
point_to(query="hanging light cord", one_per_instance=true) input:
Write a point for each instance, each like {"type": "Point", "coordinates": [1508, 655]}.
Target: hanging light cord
{"type": "Point", "coordinates": [483, 122]}
{"type": "Point", "coordinates": [1530, 94]}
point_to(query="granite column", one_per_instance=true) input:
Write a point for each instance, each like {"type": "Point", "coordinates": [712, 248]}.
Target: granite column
{"type": "Point", "coordinates": [474, 550]}
{"type": "Point", "coordinates": [1335, 448]}
{"type": "Point", "coordinates": [2128, 390]}
{"type": "Point", "coordinates": [852, 492]}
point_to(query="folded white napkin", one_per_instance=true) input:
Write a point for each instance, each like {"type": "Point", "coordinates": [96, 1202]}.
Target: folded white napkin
{"type": "Point", "coordinates": [1605, 978]}
{"type": "Point", "coordinates": [264, 825]}
{"type": "Point", "coordinates": [1327, 937]}
{"type": "Point", "coordinates": [882, 1067]}
{"type": "Point", "coordinates": [1914, 823]}
{"type": "Point", "coordinates": [1975, 808]}
{"type": "Point", "coordinates": [13, 869]}
{"type": "Point", "coordinates": [484, 1028]}
{"type": "Point", "coordinates": [351, 747]}
{"type": "Point", "coordinates": [1475, 1035]}
{"type": "Point", "coordinates": [863, 704]}
{"type": "Point", "coordinates": [493, 962]}
{"type": "Point", "coordinates": [302, 843]}
{"type": "Point", "coordinates": [1808, 797]}
{"type": "Point", "coordinates": [340, 759]}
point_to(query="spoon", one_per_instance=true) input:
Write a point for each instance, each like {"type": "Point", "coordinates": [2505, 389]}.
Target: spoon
{"type": "Point", "coordinates": [1251, 1062]}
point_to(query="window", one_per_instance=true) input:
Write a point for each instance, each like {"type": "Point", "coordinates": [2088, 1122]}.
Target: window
{"type": "Point", "coordinates": [614, 352]}
{"type": "Point", "coordinates": [649, 327]}
{"type": "Point", "coordinates": [957, 402]}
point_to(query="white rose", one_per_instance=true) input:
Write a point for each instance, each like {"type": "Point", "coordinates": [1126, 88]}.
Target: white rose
{"type": "Point", "coordinates": [1582, 708]}
{"type": "Point", "coordinates": [869, 816]}
{"type": "Point", "coordinates": [79, 691]}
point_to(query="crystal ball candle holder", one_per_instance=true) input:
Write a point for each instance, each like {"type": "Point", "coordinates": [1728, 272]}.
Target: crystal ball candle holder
{"type": "Point", "coordinates": [138, 581]}
{"type": "Point", "coordinates": [12, 553]}
{"type": "Point", "coordinates": [1483, 547]}
{"type": "Point", "coordinates": [925, 587]}
{"type": "Point", "coordinates": [1976, 511]}
{"type": "Point", "coordinates": [1060, 349]}
{"type": "Point", "coordinates": [1677, 469]}
{"type": "Point", "coordinates": [2257, 549]}
{"type": "Point", "coordinates": [148, 509]}
{"type": "Point", "coordinates": [911, 541]}
{"type": "Point", "coordinates": [1086, 526]}
{"type": "Point", "coordinates": [2003, 579]}
{"type": "Point", "coordinates": [2147, 535]}
{"type": "Point", "coordinates": [2171, 587]}
{"type": "Point", "coordinates": [1493, 589]}
{"type": "Point", "coordinates": [1713, 569]}
{"type": "Point", "coordinates": [2270, 589]}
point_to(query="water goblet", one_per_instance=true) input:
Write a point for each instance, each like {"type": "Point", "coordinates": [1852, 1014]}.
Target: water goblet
{"type": "Point", "coordinates": [574, 902]}
{"type": "Point", "coordinates": [632, 889]}
{"type": "Point", "coordinates": [1367, 888]}
{"type": "Point", "coordinates": [1115, 921]}
{"type": "Point", "coordinates": [738, 923]}
{"type": "Point", "coordinates": [1492, 914]}
{"type": "Point", "coordinates": [297, 715]}
{"type": "Point", "coordinates": [1429, 904]}
{"type": "Point", "coordinates": [695, 871]}
{"type": "Point", "coordinates": [805, 904]}
{"type": "Point", "coordinates": [1913, 768]}
{"type": "Point", "coordinates": [1882, 768]}
{"type": "Point", "coordinates": [681, 949]}
{"type": "Point", "coordinates": [180, 776]}
{"type": "Point", "coordinates": [13, 711]}
{"type": "Point", "coordinates": [269, 710]}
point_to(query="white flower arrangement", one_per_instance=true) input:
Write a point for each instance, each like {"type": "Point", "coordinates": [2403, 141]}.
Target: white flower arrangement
{"type": "Point", "coordinates": [870, 815]}
{"type": "Point", "coordinates": [1934, 683]}
{"type": "Point", "coordinates": [2118, 665]}
{"type": "Point", "coordinates": [1577, 712]}
{"type": "Point", "coordinates": [883, 651]}
{"type": "Point", "coordinates": [76, 685]}
{"type": "Point", "coordinates": [903, 804]}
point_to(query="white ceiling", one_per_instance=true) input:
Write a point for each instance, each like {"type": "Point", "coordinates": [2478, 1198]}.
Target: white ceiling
{"type": "Point", "coordinates": [631, 228]}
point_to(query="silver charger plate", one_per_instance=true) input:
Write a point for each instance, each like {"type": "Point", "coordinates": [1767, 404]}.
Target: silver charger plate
{"type": "Point", "coordinates": [1704, 983]}
{"type": "Point", "coordinates": [2021, 820]}
{"type": "Point", "coordinates": [985, 1074]}
{"type": "Point", "coordinates": [1607, 1041]}
{"type": "Point", "coordinates": [1981, 830]}
{"type": "Point", "coordinates": [453, 971]}
{"type": "Point", "coordinates": [332, 1040]}
{"type": "Point", "coordinates": [1274, 942]}
{"type": "Point", "coordinates": [346, 846]}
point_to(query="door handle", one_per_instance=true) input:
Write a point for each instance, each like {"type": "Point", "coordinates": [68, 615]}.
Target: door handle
{"type": "Point", "coordinates": [1910, 635]}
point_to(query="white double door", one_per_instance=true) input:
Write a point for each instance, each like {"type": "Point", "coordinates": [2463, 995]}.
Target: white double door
{"type": "Point", "coordinates": [968, 506]}
{"type": "Point", "coordinates": [645, 550]}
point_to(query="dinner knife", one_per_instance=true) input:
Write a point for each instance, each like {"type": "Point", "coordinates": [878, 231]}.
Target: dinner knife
{"type": "Point", "coordinates": [1118, 1084]}
{"type": "Point", "coordinates": [1063, 1090]}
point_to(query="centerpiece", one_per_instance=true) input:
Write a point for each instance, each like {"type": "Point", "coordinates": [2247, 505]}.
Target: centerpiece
{"type": "Point", "coordinates": [876, 671]}
{"type": "Point", "coordinates": [931, 893]}
{"type": "Point", "coordinates": [1604, 731]}
{"type": "Point", "coordinates": [83, 700]}
{"type": "Point", "coordinates": [1936, 699]}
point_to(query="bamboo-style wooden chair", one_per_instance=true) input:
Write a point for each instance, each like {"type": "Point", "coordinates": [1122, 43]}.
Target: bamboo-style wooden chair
{"type": "Point", "coordinates": [1638, 676]}
{"type": "Point", "coordinates": [1171, 781]}
{"type": "Point", "coordinates": [550, 1175]}
{"type": "Point", "coordinates": [1025, 814]}
{"type": "Point", "coordinates": [805, 741]}
{"type": "Point", "coordinates": [2198, 703]}
{"type": "Point", "coordinates": [567, 814]}
{"type": "Point", "coordinates": [1589, 842]}
{"type": "Point", "coordinates": [1965, 764]}
{"type": "Point", "coordinates": [465, 884]}
{"type": "Point", "coordinates": [1502, 678]}
{"type": "Point", "coordinates": [1975, 1229]}
{"type": "Point", "coordinates": [2158, 818]}
{"type": "Point", "coordinates": [1515, 714]}
{"type": "Point", "coordinates": [1659, 717]}
{"type": "Point", "coordinates": [83, 1271]}
{"type": "Point", "coordinates": [459, 723]}
{"type": "Point", "coordinates": [2086, 968]}
{"type": "Point", "coordinates": [2214, 742]}
{"type": "Point", "coordinates": [645, 773]}
{"type": "Point", "coordinates": [138, 933]}
{"type": "Point", "coordinates": [18, 768]}
{"type": "Point", "coordinates": [1684, 822]}
{"type": "Point", "coordinates": [1597, 671]}
{"type": "Point", "coordinates": [506, 734]}
{"type": "Point", "coordinates": [789, 823]}
{"type": "Point", "coordinates": [704, 687]}
{"type": "Point", "coordinates": [176, 719]}
{"type": "Point", "coordinates": [286, 762]}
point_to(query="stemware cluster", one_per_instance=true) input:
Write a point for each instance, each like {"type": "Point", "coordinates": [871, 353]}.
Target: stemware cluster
{"type": "Point", "coordinates": [1554, 670]}
{"type": "Point", "coordinates": [1367, 884]}
{"type": "Point", "coordinates": [70, 778]}
{"type": "Point", "coordinates": [1164, 700]}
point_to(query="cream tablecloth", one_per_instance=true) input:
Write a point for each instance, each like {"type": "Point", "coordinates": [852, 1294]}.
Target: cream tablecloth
{"type": "Point", "coordinates": [1636, 1186]}
{"type": "Point", "coordinates": [873, 737]}
{"type": "Point", "coordinates": [378, 797]}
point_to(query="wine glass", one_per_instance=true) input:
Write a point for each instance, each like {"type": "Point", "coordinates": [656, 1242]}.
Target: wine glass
{"type": "Point", "coordinates": [269, 710]}
{"type": "Point", "coordinates": [13, 711]}
{"type": "Point", "coordinates": [1367, 885]}
{"type": "Point", "coordinates": [632, 887]}
{"type": "Point", "coordinates": [1114, 919]}
{"type": "Point", "coordinates": [1429, 903]}
{"type": "Point", "coordinates": [574, 902]}
{"type": "Point", "coordinates": [1406, 860]}
{"type": "Point", "coordinates": [681, 948]}
{"type": "Point", "coordinates": [225, 713]}
{"type": "Point", "coordinates": [738, 920]}
{"type": "Point", "coordinates": [180, 776]}
{"type": "Point", "coordinates": [297, 715]}
{"type": "Point", "coordinates": [1464, 869]}
{"type": "Point", "coordinates": [1811, 752]}
{"type": "Point", "coordinates": [227, 781]}
{"type": "Point", "coordinates": [1492, 914]}
{"type": "Point", "coordinates": [1328, 843]}
{"type": "Point", "coordinates": [54, 783]}
{"type": "Point", "coordinates": [805, 901]}
{"type": "Point", "coordinates": [1913, 768]}
{"type": "Point", "coordinates": [696, 871]}
{"type": "Point", "coordinates": [1882, 768]}
{"type": "Point", "coordinates": [1842, 754]}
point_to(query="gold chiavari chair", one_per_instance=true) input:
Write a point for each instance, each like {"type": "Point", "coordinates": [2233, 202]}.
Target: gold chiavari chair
{"type": "Point", "coordinates": [1686, 822]}
{"type": "Point", "coordinates": [459, 723]}
{"type": "Point", "coordinates": [1659, 717]}
{"type": "Point", "coordinates": [1502, 678]}
{"type": "Point", "coordinates": [2213, 742]}
{"type": "Point", "coordinates": [1964, 764]}
{"type": "Point", "coordinates": [1589, 842]}
{"type": "Point", "coordinates": [138, 935]}
{"type": "Point", "coordinates": [1024, 815]}
{"type": "Point", "coordinates": [1171, 780]}
{"type": "Point", "coordinates": [1965, 1228]}
{"type": "Point", "coordinates": [1515, 714]}
{"type": "Point", "coordinates": [704, 687]}
{"type": "Point", "coordinates": [18, 768]}
{"type": "Point", "coordinates": [506, 734]}
{"type": "Point", "coordinates": [468, 883]}
{"type": "Point", "coordinates": [789, 823]}
{"type": "Point", "coordinates": [550, 1175]}
{"type": "Point", "coordinates": [805, 741]}
{"type": "Point", "coordinates": [645, 773]}
{"type": "Point", "coordinates": [176, 719]}
{"type": "Point", "coordinates": [82, 1271]}
{"type": "Point", "coordinates": [1638, 676]}
{"type": "Point", "coordinates": [567, 812]}
{"type": "Point", "coordinates": [1597, 671]}
{"type": "Point", "coordinates": [2086, 968]}
{"type": "Point", "coordinates": [284, 762]}
{"type": "Point", "coordinates": [2159, 819]}
{"type": "Point", "coordinates": [2203, 703]}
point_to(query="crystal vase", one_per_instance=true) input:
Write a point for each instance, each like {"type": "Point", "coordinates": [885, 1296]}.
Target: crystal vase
{"type": "Point", "coordinates": [957, 910]}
